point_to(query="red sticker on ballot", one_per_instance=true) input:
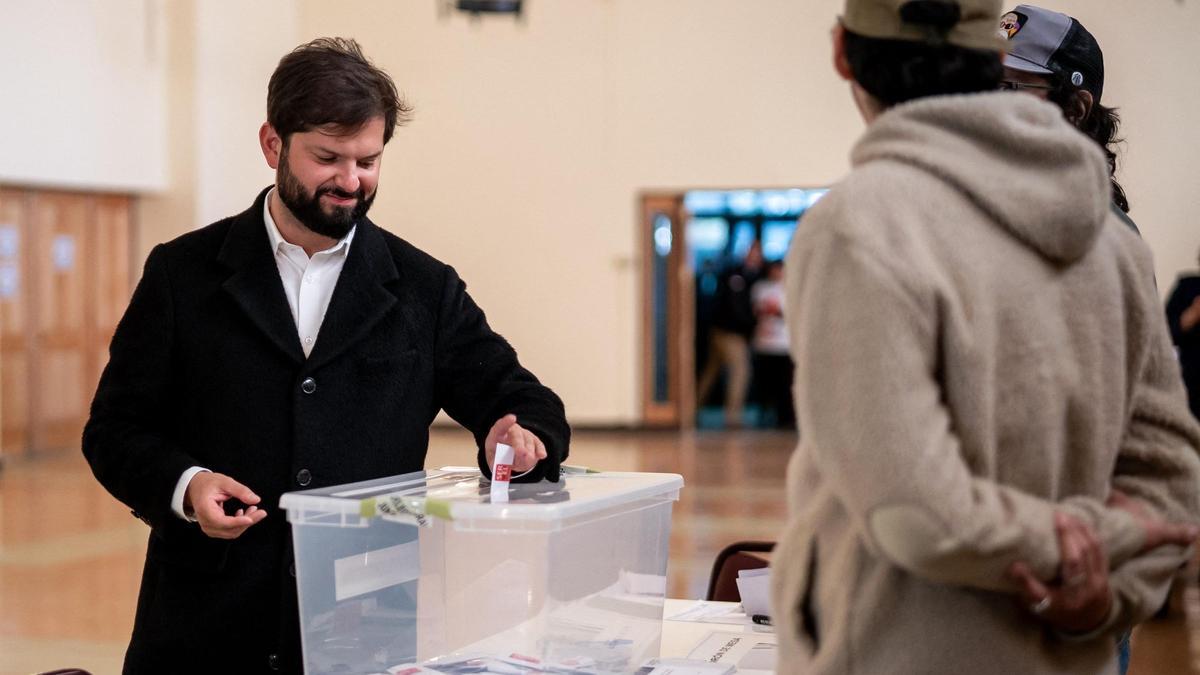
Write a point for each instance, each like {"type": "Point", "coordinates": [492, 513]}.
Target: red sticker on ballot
{"type": "Point", "coordinates": [503, 473]}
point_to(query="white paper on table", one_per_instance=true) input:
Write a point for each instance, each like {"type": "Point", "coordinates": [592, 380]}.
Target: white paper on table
{"type": "Point", "coordinates": [711, 612]}
{"type": "Point", "coordinates": [750, 652]}
{"type": "Point", "coordinates": [755, 588]}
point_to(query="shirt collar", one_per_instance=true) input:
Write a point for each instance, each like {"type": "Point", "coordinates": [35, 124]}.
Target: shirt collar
{"type": "Point", "coordinates": [277, 240]}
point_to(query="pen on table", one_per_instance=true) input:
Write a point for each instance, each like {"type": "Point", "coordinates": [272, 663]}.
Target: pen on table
{"type": "Point", "coordinates": [761, 619]}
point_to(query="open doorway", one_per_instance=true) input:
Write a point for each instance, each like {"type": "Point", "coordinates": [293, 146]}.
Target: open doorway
{"type": "Point", "coordinates": [713, 352]}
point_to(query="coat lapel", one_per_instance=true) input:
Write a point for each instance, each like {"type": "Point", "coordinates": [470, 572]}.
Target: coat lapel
{"type": "Point", "coordinates": [360, 298]}
{"type": "Point", "coordinates": [255, 285]}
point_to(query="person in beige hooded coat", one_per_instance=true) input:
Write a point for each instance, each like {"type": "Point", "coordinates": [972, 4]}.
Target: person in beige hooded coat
{"type": "Point", "coordinates": [982, 350]}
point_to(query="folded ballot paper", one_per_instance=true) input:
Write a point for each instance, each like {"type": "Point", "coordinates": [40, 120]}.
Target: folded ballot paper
{"type": "Point", "coordinates": [755, 588]}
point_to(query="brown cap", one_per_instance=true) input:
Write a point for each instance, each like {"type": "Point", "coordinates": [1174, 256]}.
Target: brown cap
{"type": "Point", "coordinates": [963, 23]}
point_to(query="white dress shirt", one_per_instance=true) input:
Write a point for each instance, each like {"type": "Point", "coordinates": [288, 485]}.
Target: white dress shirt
{"type": "Point", "coordinates": [308, 284]}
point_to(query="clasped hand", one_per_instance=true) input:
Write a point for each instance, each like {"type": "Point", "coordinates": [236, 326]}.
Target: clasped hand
{"type": "Point", "coordinates": [1080, 599]}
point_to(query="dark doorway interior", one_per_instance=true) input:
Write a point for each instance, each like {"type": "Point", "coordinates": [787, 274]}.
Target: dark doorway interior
{"type": "Point", "coordinates": [735, 239]}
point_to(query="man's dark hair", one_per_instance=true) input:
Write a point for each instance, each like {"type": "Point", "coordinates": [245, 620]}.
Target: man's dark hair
{"type": "Point", "coordinates": [329, 82]}
{"type": "Point", "coordinates": [1100, 125]}
{"type": "Point", "coordinates": [895, 71]}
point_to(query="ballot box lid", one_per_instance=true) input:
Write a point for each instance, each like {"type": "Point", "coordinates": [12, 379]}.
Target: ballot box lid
{"type": "Point", "coordinates": [463, 495]}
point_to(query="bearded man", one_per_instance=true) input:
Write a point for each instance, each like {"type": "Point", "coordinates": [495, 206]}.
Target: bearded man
{"type": "Point", "coordinates": [296, 345]}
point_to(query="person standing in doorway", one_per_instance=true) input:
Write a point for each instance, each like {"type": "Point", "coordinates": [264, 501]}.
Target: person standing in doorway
{"type": "Point", "coordinates": [729, 343]}
{"type": "Point", "coordinates": [773, 369]}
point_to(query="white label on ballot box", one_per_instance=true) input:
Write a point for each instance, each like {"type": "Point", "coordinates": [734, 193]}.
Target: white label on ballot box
{"type": "Point", "coordinates": [375, 570]}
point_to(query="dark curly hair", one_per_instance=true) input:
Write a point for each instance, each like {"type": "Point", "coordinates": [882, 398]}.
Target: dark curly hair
{"type": "Point", "coordinates": [1100, 125]}
{"type": "Point", "coordinates": [329, 81]}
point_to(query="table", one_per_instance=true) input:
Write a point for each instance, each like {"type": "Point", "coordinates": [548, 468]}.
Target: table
{"type": "Point", "coordinates": [679, 637]}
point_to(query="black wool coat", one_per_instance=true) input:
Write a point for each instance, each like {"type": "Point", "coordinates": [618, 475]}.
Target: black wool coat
{"type": "Point", "coordinates": [206, 369]}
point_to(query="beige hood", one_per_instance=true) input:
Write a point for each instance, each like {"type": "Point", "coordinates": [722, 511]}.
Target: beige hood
{"type": "Point", "coordinates": [1008, 153]}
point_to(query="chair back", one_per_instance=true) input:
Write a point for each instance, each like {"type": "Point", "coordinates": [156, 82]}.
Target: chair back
{"type": "Point", "coordinates": [743, 555]}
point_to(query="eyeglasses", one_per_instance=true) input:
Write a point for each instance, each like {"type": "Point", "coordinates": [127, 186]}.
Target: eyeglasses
{"type": "Point", "coordinates": [1009, 85]}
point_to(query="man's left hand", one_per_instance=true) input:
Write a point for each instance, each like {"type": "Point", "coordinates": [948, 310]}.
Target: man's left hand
{"type": "Point", "coordinates": [528, 449]}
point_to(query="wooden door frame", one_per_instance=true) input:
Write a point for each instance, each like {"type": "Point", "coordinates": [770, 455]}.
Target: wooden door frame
{"type": "Point", "coordinates": [679, 411]}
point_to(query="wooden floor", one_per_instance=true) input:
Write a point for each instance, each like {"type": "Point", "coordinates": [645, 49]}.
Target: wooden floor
{"type": "Point", "coordinates": [71, 556]}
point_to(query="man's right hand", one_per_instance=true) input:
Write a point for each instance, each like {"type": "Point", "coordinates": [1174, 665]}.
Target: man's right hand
{"type": "Point", "coordinates": [206, 496]}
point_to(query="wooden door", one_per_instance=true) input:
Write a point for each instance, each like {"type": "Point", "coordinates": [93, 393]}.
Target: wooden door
{"type": "Point", "coordinates": [15, 325]}
{"type": "Point", "coordinates": [65, 279]}
{"type": "Point", "coordinates": [61, 284]}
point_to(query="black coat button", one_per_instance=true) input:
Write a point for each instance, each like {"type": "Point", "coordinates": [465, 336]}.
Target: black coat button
{"type": "Point", "coordinates": [308, 386]}
{"type": "Point", "coordinates": [273, 661]}
{"type": "Point", "coordinates": [303, 477]}
{"type": "Point", "coordinates": [292, 570]}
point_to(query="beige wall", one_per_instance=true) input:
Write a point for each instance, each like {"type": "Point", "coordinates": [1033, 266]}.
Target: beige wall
{"type": "Point", "coordinates": [167, 213]}
{"type": "Point", "coordinates": [220, 55]}
{"type": "Point", "coordinates": [238, 45]}
{"type": "Point", "coordinates": [83, 94]}
{"type": "Point", "coordinates": [532, 140]}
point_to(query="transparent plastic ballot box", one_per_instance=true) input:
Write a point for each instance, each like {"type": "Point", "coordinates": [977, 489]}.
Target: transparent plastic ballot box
{"type": "Point", "coordinates": [423, 568]}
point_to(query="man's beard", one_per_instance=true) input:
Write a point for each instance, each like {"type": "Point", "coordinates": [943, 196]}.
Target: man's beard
{"type": "Point", "coordinates": [307, 208]}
